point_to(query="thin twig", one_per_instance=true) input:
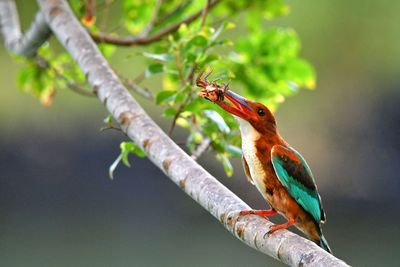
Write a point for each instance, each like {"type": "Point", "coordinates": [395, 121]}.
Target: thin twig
{"type": "Point", "coordinates": [132, 40]}
{"type": "Point", "coordinates": [138, 79]}
{"type": "Point", "coordinates": [178, 113]}
{"type": "Point", "coordinates": [201, 148]}
{"type": "Point", "coordinates": [153, 20]}
{"type": "Point", "coordinates": [205, 12]}
{"type": "Point", "coordinates": [45, 64]}
{"type": "Point", "coordinates": [190, 76]}
{"type": "Point", "coordinates": [203, 21]}
{"type": "Point", "coordinates": [89, 18]}
{"type": "Point", "coordinates": [192, 72]}
{"type": "Point", "coordinates": [76, 88]}
{"type": "Point", "coordinates": [130, 84]}
{"type": "Point", "coordinates": [110, 127]}
{"type": "Point", "coordinates": [106, 14]}
{"type": "Point", "coordinates": [172, 13]}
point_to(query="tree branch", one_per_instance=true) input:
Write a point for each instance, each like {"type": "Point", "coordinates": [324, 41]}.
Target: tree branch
{"type": "Point", "coordinates": [144, 40]}
{"type": "Point", "coordinates": [177, 165]}
{"type": "Point", "coordinates": [24, 45]}
{"type": "Point", "coordinates": [205, 12]}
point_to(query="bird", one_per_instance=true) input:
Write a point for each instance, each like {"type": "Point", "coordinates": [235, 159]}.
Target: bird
{"type": "Point", "coordinates": [277, 170]}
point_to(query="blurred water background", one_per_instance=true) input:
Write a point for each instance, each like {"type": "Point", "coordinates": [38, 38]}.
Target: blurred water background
{"type": "Point", "coordinates": [59, 208]}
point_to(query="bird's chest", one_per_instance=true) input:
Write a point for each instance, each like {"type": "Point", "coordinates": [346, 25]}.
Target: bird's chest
{"type": "Point", "coordinates": [256, 168]}
{"type": "Point", "coordinates": [259, 169]}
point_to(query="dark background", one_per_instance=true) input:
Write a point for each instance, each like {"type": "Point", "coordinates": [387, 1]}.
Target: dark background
{"type": "Point", "coordinates": [59, 208]}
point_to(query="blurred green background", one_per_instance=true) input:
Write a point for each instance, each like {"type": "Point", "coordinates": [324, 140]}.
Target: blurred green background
{"type": "Point", "coordinates": [59, 208]}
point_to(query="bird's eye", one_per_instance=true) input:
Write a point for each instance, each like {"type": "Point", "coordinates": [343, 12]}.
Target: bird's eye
{"type": "Point", "coordinates": [261, 112]}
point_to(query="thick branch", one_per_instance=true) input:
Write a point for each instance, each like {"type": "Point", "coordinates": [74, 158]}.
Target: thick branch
{"type": "Point", "coordinates": [177, 165]}
{"type": "Point", "coordinates": [25, 45]}
{"type": "Point", "coordinates": [143, 40]}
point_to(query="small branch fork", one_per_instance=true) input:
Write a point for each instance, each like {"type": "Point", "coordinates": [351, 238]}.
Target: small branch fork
{"type": "Point", "coordinates": [27, 44]}
{"type": "Point", "coordinates": [144, 40]}
{"type": "Point", "coordinates": [161, 150]}
{"type": "Point", "coordinates": [189, 78]}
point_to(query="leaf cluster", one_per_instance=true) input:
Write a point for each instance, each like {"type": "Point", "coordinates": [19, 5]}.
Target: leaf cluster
{"type": "Point", "coordinates": [262, 62]}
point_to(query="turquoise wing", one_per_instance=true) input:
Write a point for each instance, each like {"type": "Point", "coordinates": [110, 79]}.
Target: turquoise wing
{"type": "Point", "coordinates": [295, 175]}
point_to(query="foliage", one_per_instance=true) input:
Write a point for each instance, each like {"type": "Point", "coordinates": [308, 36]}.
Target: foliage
{"type": "Point", "coordinates": [46, 72]}
{"type": "Point", "coordinates": [263, 62]}
{"type": "Point", "coordinates": [127, 148]}
{"type": "Point", "coordinates": [273, 58]}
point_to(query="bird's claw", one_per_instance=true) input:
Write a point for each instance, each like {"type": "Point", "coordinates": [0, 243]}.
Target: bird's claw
{"type": "Point", "coordinates": [277, 227]}
{"type": "Point", "coordinates": [246, 212]}
{"type": "Point", "coordinates": [270, 231]}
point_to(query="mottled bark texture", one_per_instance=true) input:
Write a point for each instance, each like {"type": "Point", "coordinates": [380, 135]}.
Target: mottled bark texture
{"type": "Point", "coordinates": [161, 150]}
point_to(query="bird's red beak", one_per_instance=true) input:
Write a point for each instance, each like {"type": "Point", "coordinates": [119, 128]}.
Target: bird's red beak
{"type": "Point", "coordinates": [240, 106]}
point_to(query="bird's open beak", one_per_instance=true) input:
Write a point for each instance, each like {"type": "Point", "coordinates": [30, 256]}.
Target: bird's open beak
{"type": "Point", "coordinates": [240, 106]}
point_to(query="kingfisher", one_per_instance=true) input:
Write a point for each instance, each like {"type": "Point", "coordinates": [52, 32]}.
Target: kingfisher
{"type": "Point", "coordinates": [278, 171]}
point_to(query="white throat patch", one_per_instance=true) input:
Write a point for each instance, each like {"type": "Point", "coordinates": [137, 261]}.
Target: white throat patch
{"type": "Point", "coordinates": [249, 137]}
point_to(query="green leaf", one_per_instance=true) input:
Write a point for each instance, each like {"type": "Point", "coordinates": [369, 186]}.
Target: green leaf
{"type": "Point", "coordinates": [193, 140]}
{"type": "Point", "coordinates": [217, 119]}
{"type": "Point", "coordinates": [107, 50]}
{"type": "Point", "coordinates": [199, 41]}
{"type": "Point", "coordinates": [234, 151]}
{"type": "Point", "coordinates": [130, 148]}
{"type": "Point", "coordinates": [108, 120]}
{"type": "Point", "coordinates": [24, 77]}
{"type": "Point", "coordinates": [301, 72]}
{"type": "Point", "coordinates": [137, 14]}
{"type": "Point", "coordinates": [224, 26]}
{"type": "Point", "coordinates": [275, 8]}
{"type": "Point", "coordinates": [161, 57]}
{"type": "Point", "coordinates": [153, 69]}
{"type": "Point", "coordinates": [163, 96]}
{"type": "Point", "coordinates": [183, 94]}
{"type": "Point", "coordinates": [210, 58]}
{"type": "Point", "coordinates": [196, 105]}
{"type": "Point", "coordinates": [113, 166]}
{"type": "Point", "coordinates": [228, 168]}
{"type": "Point", "coordinates": [127, 148]}
{"type": "Point", "coordinates": [170, 112]}
{"type": "Point", "coordinates": [183, 123]}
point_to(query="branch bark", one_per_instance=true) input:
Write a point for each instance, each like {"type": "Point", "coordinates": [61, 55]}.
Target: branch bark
{"type": "Point", "coordinates": [162, 151]}
{"type": "Point", "coordinates": [24, 45]}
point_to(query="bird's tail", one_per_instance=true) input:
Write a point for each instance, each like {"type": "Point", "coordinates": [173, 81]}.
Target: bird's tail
{"type": "Point", "coordinates": [324, 244]}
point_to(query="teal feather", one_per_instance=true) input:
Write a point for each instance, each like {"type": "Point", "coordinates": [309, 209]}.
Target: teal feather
{"type": "Point", "coordinates": [299, 182]}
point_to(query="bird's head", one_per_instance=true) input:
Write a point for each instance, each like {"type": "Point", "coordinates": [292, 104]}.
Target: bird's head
{"type": "Point", "coordinates": [255, 113]}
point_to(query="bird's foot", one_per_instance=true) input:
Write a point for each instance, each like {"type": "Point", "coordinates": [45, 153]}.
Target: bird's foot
{"type": "Point", "coordinates": [277, 227]}
{"type": "Point", "coordinates": [262, 213]}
